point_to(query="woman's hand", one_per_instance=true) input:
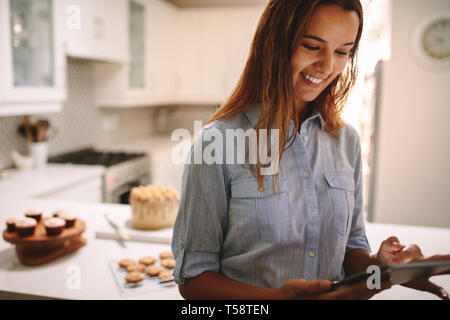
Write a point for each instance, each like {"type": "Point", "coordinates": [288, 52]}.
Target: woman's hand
{"type": "Point", "coordinates": [301, 289]}
{"type": "Point", "coordinates": [391, 251]}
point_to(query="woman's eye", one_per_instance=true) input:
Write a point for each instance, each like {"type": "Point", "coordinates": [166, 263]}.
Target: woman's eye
{"type": "Point", "coordinates": [342, 53]}
{"type": "Point", "coordinates": [310, 47]}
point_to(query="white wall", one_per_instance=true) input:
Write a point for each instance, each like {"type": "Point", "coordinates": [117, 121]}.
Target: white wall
{"type": "Point", "coordinates": [413, 156]}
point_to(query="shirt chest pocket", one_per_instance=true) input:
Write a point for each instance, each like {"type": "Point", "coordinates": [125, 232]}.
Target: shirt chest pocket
{"type": "Point", "coordinates": [267, 211]}
{"type": "Point", "coordinates": [342, 188]}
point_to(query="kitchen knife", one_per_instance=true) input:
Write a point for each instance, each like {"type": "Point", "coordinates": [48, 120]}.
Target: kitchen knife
{"type": "Point", "coordinates": [121, 233]}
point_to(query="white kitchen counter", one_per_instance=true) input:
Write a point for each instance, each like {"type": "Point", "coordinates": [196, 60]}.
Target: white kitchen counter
{"type": "Point", "coordinates": [52, 178]}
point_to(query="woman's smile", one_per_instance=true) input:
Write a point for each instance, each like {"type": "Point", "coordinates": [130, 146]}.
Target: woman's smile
{"type": "Point", "coordinates": [311, 81]}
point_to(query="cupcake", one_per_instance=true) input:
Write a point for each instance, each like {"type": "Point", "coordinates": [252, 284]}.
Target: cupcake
{"type": "Point", "coordinates": [67, 216]}
{"type": "Point", "coordinates": [11, 223]}
{"type": "Point", "coordinates": [54, 226]}
{"type": "Point", "coordinates": [57, 212]}
{"type": "Point", "coordinates": [34, 213]}
{"type": "Point", "coordinates": [25, 226]}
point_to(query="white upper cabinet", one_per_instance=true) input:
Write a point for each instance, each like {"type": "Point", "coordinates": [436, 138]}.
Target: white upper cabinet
{"type": "Point", "coordinates": [178, 56]}
{"type": "Point", "coordinates": [163, 51]}
{"type": "Point", "coordinates": [213, 48]}
{"type": "Point", "coordinates": [94, 29]}
{"type": "Point", "coordinates": [147, 78]}
{"type": "Point", "coordinates": [33, 77]}
{"type": "Point", "coordinates": [144, 52]}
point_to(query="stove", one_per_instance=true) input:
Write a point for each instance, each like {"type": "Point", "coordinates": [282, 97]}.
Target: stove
{"type": "Point", "coordinates": [123, 170]}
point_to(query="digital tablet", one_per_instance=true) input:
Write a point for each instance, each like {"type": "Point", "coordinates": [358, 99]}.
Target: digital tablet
{"type": "Point", "coordinates": [397, 273]}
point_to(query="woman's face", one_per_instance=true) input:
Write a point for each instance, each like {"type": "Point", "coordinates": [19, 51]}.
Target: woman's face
{"type": "Point", "coordinates": [323, 51]}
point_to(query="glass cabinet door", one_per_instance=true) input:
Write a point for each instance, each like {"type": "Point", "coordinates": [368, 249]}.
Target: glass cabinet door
{"type": "Point", "coordinates": [32, 43]}
{"type": "Point", "coordinates": [137, 45]}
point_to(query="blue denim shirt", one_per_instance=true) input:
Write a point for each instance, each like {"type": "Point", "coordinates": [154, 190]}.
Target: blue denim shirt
{"type": "Point", "coordinates": [226, 225]}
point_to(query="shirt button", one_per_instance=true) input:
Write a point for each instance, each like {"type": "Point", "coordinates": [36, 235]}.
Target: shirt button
{"type": "Point", "coordinates": [306, 174]}
{"type": "Point", "coordinates": [313, 214]}
{"type": "Point", "coordinates": [312, 253]}
{"type": "Point", "coordinates": [181, 246]}
{"type": "Point", "coordinates": [305, 138]}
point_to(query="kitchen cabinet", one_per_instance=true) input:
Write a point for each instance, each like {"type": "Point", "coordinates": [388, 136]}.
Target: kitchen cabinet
{"type": "Point", "coordinates": [93, 29]}
{"type": "Point", "coordinates": [214, 45]}
{"type": "Point", "coordinates": [192, 56]}
{"type": "Point", "coordinates": [163, 51]}
{"type": "Point", "coordinates": [33, 77]}
{"type": "Point", "coordinates": [147, 78]}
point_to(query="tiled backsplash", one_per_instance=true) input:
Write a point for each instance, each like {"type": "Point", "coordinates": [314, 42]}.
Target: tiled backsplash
{"type": "Point", "coordinates": [81, 124]}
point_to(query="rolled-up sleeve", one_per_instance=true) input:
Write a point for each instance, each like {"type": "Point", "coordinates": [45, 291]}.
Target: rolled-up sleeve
{"type": "Point", "coordinates": [357, 238]}
{"type": "Point", "coordinates": [202, 215]}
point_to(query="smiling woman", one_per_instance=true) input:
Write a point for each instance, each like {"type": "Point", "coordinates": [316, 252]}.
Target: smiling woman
{"type": "Point", "coordinates": [240, 234]}
{"type": "Point", "coordinates": [323, 53]}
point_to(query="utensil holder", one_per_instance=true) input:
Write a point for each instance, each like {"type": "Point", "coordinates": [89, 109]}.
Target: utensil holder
{"type": "Point", "coordinates": [39, 153]}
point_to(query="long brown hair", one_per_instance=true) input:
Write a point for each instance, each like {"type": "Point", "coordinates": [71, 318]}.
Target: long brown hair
{"type": "Point", "coordinates": [267, 76]}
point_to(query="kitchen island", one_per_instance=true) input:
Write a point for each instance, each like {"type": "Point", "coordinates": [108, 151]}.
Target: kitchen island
{"type": "Point", "coordinates": [91, 265]}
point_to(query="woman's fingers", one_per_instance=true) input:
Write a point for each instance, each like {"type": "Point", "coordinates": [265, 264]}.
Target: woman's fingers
{"type": "Point", "coordinates": [424, 284]}
{"type": "Point", "coordinates": [411, 253]}
{"type": "Point", "coordinates": [392, 244]}
{"type": "Point", "coordinates": [437, 290]}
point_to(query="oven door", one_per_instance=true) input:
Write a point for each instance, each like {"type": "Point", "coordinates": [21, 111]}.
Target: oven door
{"type": "Point", "coordinates": [121, 194]}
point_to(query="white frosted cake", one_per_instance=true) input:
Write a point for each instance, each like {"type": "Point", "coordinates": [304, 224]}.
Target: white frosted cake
{"type": "Point", "coordinates": [153, 207]}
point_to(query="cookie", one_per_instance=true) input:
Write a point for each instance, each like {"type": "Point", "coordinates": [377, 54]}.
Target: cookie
{"type": "Point", "coordinates": [125, 262]}
{"type": "Point", "coordinates": [154, 270]}
{"type": "Point", "coordinates": [147, 261]}
{"type": "Point", "coordinates": [168, 263]}
{"type": "Point", "coordinates": [166, 255]}
{"type": "Point", "coordinates": [135, 268]}
{"type": "Point", "coordinates": [134, 277]}
{"type": "Point", "coordinates": [165, 274]}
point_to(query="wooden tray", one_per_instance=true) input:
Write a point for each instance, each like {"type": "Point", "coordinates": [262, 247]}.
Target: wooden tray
{"type": "Point", "coordinates": [40, 248]}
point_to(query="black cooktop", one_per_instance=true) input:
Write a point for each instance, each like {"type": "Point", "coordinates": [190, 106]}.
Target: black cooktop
{"type": "Point", "coordinates": [91, 156]}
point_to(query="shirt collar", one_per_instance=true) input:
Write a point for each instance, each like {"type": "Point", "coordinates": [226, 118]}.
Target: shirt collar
{"type": "Point", "coordinates": [318, 117]}
{"type": "Point", "coordinates": [253, 112]}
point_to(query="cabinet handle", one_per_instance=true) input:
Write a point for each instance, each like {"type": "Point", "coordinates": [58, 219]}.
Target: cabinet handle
{"type": "Point", "coordinates": [99, 29]}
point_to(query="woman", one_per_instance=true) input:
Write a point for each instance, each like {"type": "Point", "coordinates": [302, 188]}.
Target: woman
{"type": "Point", "coordinates": [242, 234]}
